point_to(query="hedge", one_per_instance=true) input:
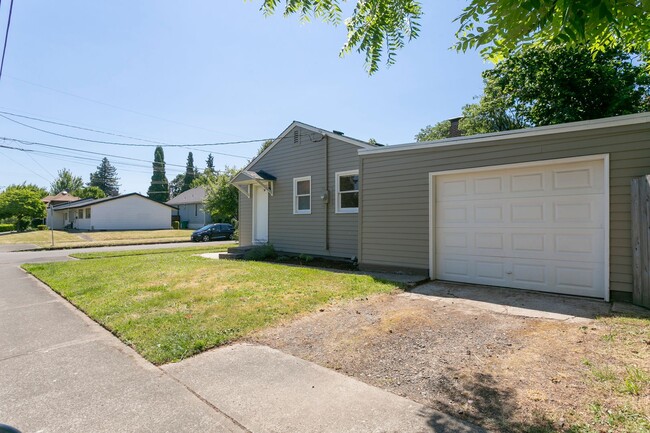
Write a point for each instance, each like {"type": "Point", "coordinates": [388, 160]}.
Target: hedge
{"type": "Point", "coordinates": [6, 227]}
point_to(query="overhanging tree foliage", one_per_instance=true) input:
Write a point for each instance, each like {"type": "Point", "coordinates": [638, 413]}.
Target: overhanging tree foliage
{"type": "Point", "coordinates": [159, 188]}
{"type": "Point", "coordinates": [378, 28]}
{"type": "Point", "coordinates": [42, 192]}
{"type": "Point", "coordinates": [549, 86]}
{"type": "Point", "coordinates": [105, 178]}
{"type": "Point", "coordinates": [66, 181]}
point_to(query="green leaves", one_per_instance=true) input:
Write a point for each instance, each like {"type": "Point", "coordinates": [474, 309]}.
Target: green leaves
{"type": "Point", "coordinates": [377, 28]}
{"type": "Point", "coordinates": [20, 203]}
{"type": "Point", "coordinates": [511, 26]}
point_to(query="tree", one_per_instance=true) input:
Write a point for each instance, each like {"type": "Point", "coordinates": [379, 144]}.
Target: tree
{"type": "Point", "coordinates": [66, 181]}
{"type": "Point", "coordinates": [176, 185]}
{"type": "Point", "coordinates": [504, 27]}
{"type": "Point", "coordinates": [436, 132]}
{"type": "Point", "coordinates": [566, 84]}
{"type": "Point", "coordinates": [264, 145]}
{"type": "Point", "coordinates": [209, 164]}
{"type": "Point", "coordinates": [105, 178]}
{"type": "Point", "coordinates": [159, 188]}
{"type": "Point", "coordinates": [500, 27]}
{"type": "Point", "coordinates": [222, 198]}
{"type": "Point", "coordinates": [190, 173]}
{"type": "Point", "coordinates": [89, 192]}
{"type": "Point", "coordinates": [42, 192]}
{"type": "Point", "coordinates": [548, 86]}
{"type": "Point", "coordinates": [22, 204]}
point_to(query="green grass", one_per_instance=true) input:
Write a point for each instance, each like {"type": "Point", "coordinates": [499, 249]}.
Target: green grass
{"type": "Point", "coordinates": [171, 305]}
{"type": "Point", "coordinates": [64, 239]}
{"type": "Point", "coordinates": [200, 248]}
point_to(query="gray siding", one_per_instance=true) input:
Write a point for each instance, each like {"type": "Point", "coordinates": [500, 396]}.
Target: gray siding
{"type": "Point", "coordinates": [245, 220]}
{"type": "Point", "coordinates": [323, 232]}
{"type": "Point", "coordinates": [395, 190]}
{"type": "Point", "coordinates": [193, 213]}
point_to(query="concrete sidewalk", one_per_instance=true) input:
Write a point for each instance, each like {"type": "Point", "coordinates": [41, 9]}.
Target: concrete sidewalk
{"type": "Point", "coordinates": [271, 391]}
{"type": "Point", "coordinates": [62, 372]}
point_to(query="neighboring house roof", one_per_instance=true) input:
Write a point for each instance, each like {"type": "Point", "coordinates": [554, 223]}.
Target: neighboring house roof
{"type": "Point", "coordinates": [63, 196]}
{"type": "Point", "coordinates": [295, 124]}
{"type": "Point", "coordinates": [194, 195]}
{"type": "Point", "coordinates": [93, 201]}
{"type": "Point", "coordinates": [609, 122]}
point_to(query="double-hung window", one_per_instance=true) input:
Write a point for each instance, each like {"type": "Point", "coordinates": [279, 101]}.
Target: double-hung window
{"type": "Point", "coordinates": [302, 195]}
{"type": "Point", "coordinates": [87, 213]}
{"type": "Point", "coordinates": [347, 191]}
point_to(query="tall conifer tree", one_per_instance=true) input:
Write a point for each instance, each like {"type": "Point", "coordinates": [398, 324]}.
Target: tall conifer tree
{"type": "Point", "coordinates": [159, 188]}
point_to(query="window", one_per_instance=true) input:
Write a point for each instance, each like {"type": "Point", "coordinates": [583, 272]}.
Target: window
{"type": "Point", "coordinates": [196, 209]}
{"type": "Point", "coordinates": [347, 192]}
{"type": "Point", "coordinates": [88, 213]}
{"type": "Point", "coordinates": [302, 195]}
{"type": "Point", "coordinates": [80, 214]}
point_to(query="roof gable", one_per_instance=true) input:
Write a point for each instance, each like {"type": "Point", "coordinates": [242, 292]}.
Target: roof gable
{"type": "Point", "coordinates": [194, 195]}
{"type": "Point", "coordinates": [296, 124]}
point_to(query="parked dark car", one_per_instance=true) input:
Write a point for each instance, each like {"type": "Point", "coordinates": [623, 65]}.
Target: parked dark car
{"type": "Point", "coordinates": [213, 232]}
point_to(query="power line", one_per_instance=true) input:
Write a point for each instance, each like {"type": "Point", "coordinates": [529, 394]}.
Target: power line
{"type": "Point", "coordinates": [4, 49]}
{"type": "Point", "coordinates": [118, 107]}
{"type": "Point", "coordinates": [26, 168]}
{"type": "Point", "coordinates": [131, 144]}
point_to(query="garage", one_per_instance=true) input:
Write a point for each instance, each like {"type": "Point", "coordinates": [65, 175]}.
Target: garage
{"type": "Point", "coordinates": [537, 226]}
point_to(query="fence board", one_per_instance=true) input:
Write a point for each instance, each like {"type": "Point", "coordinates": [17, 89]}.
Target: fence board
{"type": "Point", "coordinates": [641, 240]}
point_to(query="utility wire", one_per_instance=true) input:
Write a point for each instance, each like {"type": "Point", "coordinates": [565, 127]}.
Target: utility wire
{"type": "Point", "coordinates": [118, 107]}
{"type": "Point", "coordinates": [4, 49]}
{"type": "Point", "coordinates": [54, 146]}
{"type": "Point", "coordinates": [130, 144]}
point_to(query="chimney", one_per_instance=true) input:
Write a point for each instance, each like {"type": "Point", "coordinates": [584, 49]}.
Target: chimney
{"type": "Point", "coordinates": [453, 130]}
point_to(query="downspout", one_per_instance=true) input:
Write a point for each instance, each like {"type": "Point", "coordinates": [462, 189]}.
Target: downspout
{"type": "Point", "coordinates": [327, 186]}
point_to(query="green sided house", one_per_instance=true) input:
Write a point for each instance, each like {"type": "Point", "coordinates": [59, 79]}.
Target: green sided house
{"type": "Point", "coordinates": [301, 193]}
{"type": "Point", "coordinates": [545, 208]}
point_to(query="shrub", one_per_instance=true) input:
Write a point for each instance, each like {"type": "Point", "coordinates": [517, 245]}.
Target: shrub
{"type": "Point", "coordinates": [175, 225]}
{"type": "Point", "coordinates": [22, 224]}
{"type": "Point", "coordinates": [305, 258]}
{"type": "Point", "coordinates": [41, 227]}
{"type": "Point", "coordinates": [6, 227]}
{"type": "Point", "coordinates": [260, 253]}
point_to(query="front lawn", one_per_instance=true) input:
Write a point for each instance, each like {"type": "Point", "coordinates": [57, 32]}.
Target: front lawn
{"type": "Point", "coordinates": [63, 239]}
{"type": "Point", "coordinates": [172, 305]}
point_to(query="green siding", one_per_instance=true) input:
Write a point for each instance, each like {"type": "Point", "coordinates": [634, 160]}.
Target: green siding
{"type": "Point", "coordinates": [395, 189]}
{"type": "Point", "coordinates": [306, 233]}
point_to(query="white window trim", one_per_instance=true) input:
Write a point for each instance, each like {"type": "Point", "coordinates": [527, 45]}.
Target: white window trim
{"type": "Point", "coordinates": [339, 209]}
{"type": "Point", "coordinates": [296, 211]}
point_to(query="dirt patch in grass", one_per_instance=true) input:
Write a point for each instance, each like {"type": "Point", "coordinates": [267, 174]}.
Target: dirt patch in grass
{"type": "Point", "coordinates": [506, 373]}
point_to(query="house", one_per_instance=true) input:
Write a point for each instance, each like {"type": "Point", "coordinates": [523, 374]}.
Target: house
{"type": "Point", "coordinates": [62, 197]}
{"type": "Point", "coordinates": [301, 193]}
{"type": "Point", "coordinates": [544, 208]}
{"type": "Point", "coordinates": [123, 212]}
{"type": "Point", "coordinates": [190, 207]}
{"type": "Point", "coordinates": [53, 200]}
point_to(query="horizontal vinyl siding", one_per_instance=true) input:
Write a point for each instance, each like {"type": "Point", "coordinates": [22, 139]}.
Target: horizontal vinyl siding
{"type": "Point", "coordinates": [306, 233]}
{"type": "Point", "coordinates": [245, 220]}
{"type": "Point", "coordinates": [395, 198]}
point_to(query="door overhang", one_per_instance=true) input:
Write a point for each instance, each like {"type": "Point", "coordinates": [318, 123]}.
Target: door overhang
{"type": "Point", "coordinates": [246, 179]}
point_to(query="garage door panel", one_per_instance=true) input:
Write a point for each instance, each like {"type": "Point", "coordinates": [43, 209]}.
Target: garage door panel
{"type": "Point", "coordinates": [582, 279]}
{"type": "Point", "coordinates": [538, 228]}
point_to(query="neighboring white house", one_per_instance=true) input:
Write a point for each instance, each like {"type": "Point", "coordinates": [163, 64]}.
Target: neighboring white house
{"type": "Point", "coordinates": [124, 212]}
{"type": "Point", "coordinates": [190, 207]}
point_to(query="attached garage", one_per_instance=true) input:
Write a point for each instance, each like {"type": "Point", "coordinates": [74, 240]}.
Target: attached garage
{"type": "Point", "coordinates": [539, 226]}
{"type": "Point", "coordinates": [545, 208]}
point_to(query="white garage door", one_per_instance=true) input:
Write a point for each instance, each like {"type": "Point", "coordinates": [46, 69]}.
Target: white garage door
{"type": "Point", "coordinates": [537, 227]}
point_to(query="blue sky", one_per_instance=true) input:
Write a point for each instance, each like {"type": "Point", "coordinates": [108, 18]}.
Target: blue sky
{"type": "Point", "coordinates": [210, 71]}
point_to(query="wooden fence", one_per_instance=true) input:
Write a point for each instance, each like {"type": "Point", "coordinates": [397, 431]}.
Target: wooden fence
{"type": "Point", "coordinates": [641, 240]}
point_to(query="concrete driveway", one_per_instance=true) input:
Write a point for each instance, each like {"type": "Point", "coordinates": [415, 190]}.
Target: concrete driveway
{"type": "Point", "coordinates": [62, 372]}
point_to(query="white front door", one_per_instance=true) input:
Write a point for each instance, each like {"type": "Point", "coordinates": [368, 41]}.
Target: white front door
{"type": "Point", "coordinates": [539, 228]}
{"type": "Point", "coordinates": [260, 215]}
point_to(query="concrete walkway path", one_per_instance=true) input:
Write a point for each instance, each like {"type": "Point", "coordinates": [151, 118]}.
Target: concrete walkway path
{"type": "Point", "coordinates": [62, 372]}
